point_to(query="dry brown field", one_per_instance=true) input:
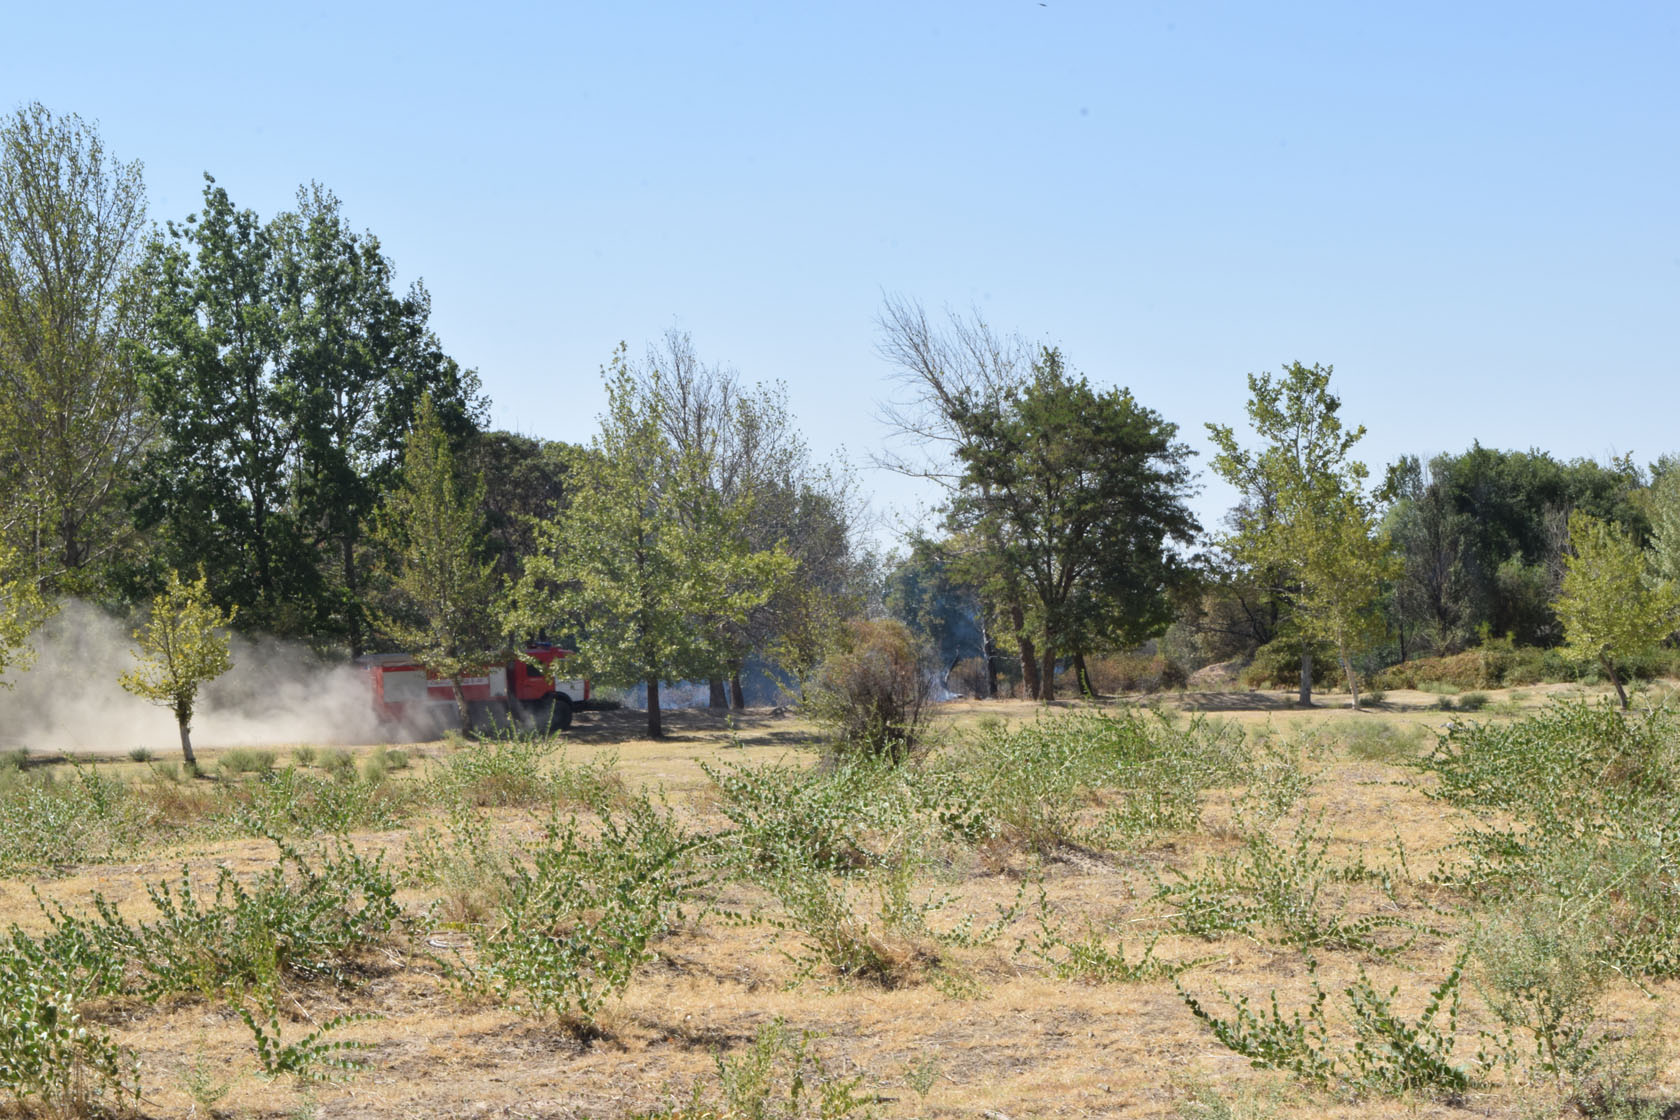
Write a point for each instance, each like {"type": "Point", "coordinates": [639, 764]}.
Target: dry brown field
{"type": "Point", "coordinates": [993, 1030]}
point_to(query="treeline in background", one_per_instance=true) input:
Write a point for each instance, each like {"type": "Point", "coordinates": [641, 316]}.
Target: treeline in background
{"type": "Point", "coordinates": [255, 406]}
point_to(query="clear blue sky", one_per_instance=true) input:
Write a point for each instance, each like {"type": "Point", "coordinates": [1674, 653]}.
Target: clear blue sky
{"type": "Point", "coordinates": [1472, 211]}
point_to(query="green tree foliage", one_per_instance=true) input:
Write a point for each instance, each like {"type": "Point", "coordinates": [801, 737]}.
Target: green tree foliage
{"type": "Point", "coordinates": [1310, 523]}
{"type": "Point", "coordinates": [927, 592]}
{"type": "Point", "coordinates": [645, 548]}
{"type": "Point", "coordinates": [1609, 607]}
{"type": "Point", "coordinates": [183, 647]}
{"type": "Point", "coordinates": [524, 483]}
{"type": "Point", "coordinates": [442, 579]}
{"type": "Point", "coordinates": [1664, 512]}
{"type": "Point", "coordinates": [1079, 492]}
{"type": "Point", "coordinates": [73, 303]}
{"type": "Point", "coordinates": [752, 465]}
{"type": "Point", "coordinates": [1481, 536]}
{"type": "Point", "coordinates": [22, 609]}
{"type": "Point", "coordinates": [287, 373]}
{"type": "Point", "coordinates": [949, 376]}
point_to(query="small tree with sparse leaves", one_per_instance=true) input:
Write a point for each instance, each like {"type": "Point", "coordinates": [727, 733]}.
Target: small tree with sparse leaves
{"type": "Point", "coordinates": [184, 646]}
{"type": "Point", "coordinates": [1609, 606]}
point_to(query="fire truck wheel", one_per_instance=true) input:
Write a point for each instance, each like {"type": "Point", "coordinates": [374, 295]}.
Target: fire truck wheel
{"type": "Point", "coordinates": [560, 716]}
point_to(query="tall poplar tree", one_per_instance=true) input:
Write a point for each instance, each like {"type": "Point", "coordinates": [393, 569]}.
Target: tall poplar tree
{"type": "Point", "coordinates": [1308, 522]}
{"type": "Point", "coordinates": [73, 304]}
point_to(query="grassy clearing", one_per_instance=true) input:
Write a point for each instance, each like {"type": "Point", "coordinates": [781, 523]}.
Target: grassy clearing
{"type": "Point", "coordinates": [1180, 912]}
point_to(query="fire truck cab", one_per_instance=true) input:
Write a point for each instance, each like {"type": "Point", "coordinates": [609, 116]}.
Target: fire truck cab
{"type": "Point", "coordinates": [537, 696]}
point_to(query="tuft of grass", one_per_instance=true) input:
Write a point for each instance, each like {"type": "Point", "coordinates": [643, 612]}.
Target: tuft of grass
{"type": "Point", "coordinates": [246, 761]}
{"type": "Point", "coordinates": [304, 755]}
{"type": "Point", "coordinates": [1384, 741]}
{"type": "Point", "coordinates": [1473, 701]}
{"type": "Point", "coordinates": [779, 1076]}
{"type": "Point", "coordinates": [140, 754]}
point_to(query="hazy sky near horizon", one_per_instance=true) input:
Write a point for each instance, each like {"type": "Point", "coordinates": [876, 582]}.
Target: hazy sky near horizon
{"type": "Point", "coordinates": [1471, 211]}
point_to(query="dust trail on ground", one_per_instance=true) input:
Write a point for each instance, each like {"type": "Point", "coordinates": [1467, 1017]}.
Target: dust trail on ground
{"type": "Point", "coordinates": [276, 693]}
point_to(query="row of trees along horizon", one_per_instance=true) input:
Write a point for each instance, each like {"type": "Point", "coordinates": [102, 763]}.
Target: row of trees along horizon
{"type": "Point", "coordinates": [255, 405]}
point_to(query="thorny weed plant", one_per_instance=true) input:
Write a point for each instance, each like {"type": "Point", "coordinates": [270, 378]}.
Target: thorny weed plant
{"type": "Point", "coordinates": [1388, 1055]}
{"type": "Point", "coordinates": [312, 1057]}
{"type": "Point", "coordinates": [1577, 804]}
{"type": "Point", "coordinates": [779, 1077]}
{"type": "Point", "coordinates": [578, 912]}
{"type": "Point", "coordinates": [304, 918]}
{"type": "Point", "coordinates": [50, 1053]}
{"type": "Point", "coordinates": [1287, 891]}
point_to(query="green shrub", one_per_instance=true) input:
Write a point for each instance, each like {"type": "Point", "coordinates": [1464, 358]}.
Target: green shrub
{"type": "Point", "coordinates": [310, 1058]}
{"type": "Point", "coordinates": [304, 918]}
{"type": "Point", "coordinates": [1473, 701]}
{"type": "Point", "coordinates": [578, 913]}
{"type": "Point", "coordinates": [56, 821]}
{"type": "Point", "coordinates": [502, 769]}
{"type": "Point", "coordinates": [245, 761]}
{"type": "Point", "coordinates": [1282, 891]}
{"type": "Point", "coordinates": [1278, 665]}
{"type": "Point", "coordinates": [140, 754]}
{"type": "Point", "coordinates": [50, 1052]}
{"type": "Point", "coordinates": [871, 693]}
{"type": "Point", "coordinates": [780, 1077]}
{"type": "Point", "coordinates": [304, 755]}
{"type": "Point", "coordinates": [1586, 799]}
{"type": "Point", "coordinates": [1134, 672]}
{"type": "Point", "coordinates": [297, 803]}
{"type": "Point", "coordinates": [1390, 1055]}
{"type": "Point", "coordinates": [1381, 741]}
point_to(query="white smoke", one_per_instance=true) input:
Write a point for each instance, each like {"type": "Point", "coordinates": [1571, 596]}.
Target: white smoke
{"type": "Point", "coordinates": [276, 693]}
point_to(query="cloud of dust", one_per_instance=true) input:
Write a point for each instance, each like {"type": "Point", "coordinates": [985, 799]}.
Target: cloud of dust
{"type": "Point", "coordinates": [276, 693]}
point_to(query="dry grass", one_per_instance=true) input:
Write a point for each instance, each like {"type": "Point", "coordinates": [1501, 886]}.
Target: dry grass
{"type": "Point", "coordinates": [995, 1032]}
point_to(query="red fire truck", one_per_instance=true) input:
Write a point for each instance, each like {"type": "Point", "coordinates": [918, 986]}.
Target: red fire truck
{"type": "Point", "coordinates": [405, 693]}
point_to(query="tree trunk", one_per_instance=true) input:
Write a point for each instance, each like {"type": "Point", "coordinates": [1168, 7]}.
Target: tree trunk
{"type": "Point", "coordinates": [991, 667]}
{"type": "Point", "coordinates": [1029, 652]}
{"type": "Point", "coordinates": [1083, 677]}
{"type": "Point", "coordinates": [1306, 676]}
{"type": "Point", "coordinates": [1353, 682]}
{"type": "Point", "coordinates": [461, 705]}
{"type": "Point", "coordinates": [737, 694]}
{"type": "Point", "coordinates": [718, 698]}
{"type": "Point", "coordinates": [1610, 671]}
{"type": "Point", "coordinates": [656, 729]}
{"type": "Point", "coordinates": [1047, 678]}
{"type": "Point", "coordinates": [353, 604]}
{"type": "Point", "coordinates": [186, 743]}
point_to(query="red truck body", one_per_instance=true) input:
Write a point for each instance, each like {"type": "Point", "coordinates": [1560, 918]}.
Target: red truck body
{"type": "Point", "coordinates": [405, 693]}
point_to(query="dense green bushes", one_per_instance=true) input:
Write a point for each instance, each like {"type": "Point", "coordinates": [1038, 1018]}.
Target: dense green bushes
{"type": "Point", "coordinates": [1498, 663]}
